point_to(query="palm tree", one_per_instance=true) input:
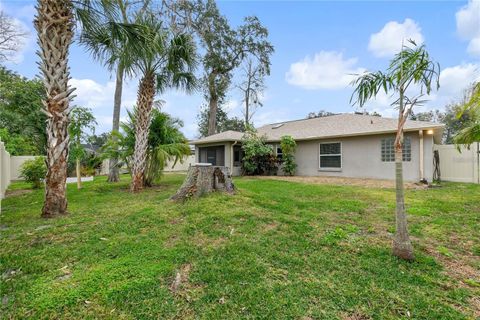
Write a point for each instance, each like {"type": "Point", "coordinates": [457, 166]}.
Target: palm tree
{"type": "Point", "coordinates": [411, 66]}
{"type": "Point", "coordinates": [54, 23]}
{"type": "Point", "coordinates": [81, 119]}
{"type": "Point", "coordinates": [165, 143]}
{"type": "Point", "coordinates": [165, 61]}
{"type": "Point", "coordinates": [105, 49]}
{"type": "Point", "coordinates": [471, 133]}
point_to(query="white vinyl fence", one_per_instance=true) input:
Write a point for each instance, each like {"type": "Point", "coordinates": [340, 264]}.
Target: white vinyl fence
{"type": "Point", "coordinates": [170, 167]}
{"type": "Point", "coordinates": [4, 170]}
{"type": "Point", "coordinates": [9, 168]}
{"type": "Point", "coordinates": [180, 166]}
{"type": "Point", "coordinates": [459, 166]}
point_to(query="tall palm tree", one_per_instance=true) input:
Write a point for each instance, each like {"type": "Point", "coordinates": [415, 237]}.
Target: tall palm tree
{"type": "Point", "coordinates": [103, 47]}
{"type": "Point", "coordinates": [54, 23]}
{"type": "Point", "coordinates": [165, 61]}
{"type": "Point", "coordinates": [411, 66]}
{"type": "Point", "coordinates": [471, 133]}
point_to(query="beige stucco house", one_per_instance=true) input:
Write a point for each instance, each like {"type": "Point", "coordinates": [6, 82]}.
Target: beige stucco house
{"type": "Point", "coordinates": [345, 145]}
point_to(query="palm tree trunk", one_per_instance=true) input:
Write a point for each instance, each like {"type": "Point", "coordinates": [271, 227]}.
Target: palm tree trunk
{"type": "Point", "coordinates": [54, 25]}
{"type": "Point", "coordinates": [79, 174]}
{"type": "Point", "coordinates": [402, 247]}
{"type": "Point", "coordinates": [213, 105]}
{"type": "Point", "coordinates": [146, 94]}
{"type": "Point", "coordinates": [113, 175]}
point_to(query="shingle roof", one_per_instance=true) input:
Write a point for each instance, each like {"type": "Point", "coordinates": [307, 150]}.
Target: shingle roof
{"type": "Point", "coordinates": [225, 136]}
{"type": "Point", "coordinates": [340, 125]}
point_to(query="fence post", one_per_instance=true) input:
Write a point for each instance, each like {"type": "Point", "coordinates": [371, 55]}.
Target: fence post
{"type": "Point", "coordinates": [476, 166]}
{"type": "Point", "coordinates": [4, 170]}
{"type": "Point", "coordinates": [2, 177]}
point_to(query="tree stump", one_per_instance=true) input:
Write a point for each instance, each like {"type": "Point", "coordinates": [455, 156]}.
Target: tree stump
{"type": "Point", "coordinates": [202, 179]}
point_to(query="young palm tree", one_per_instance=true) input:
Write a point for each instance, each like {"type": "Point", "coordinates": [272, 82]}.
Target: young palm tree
{"type": "Point", "coordinates": [54, 23]}
{"type": "Point", "coordinates": [471, 133]}
{"type": "Point", "coordinates": [164, 61]}
{"type": "Point", "coordinates": [411, 66]}
{"type": "Point", "coordinates": [165, 143]}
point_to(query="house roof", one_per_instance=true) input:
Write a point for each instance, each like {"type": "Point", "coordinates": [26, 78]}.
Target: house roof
{"type": "Point", "coordinates": [225, 136]}
{"type": "Point", "coordinates": [340, 125]}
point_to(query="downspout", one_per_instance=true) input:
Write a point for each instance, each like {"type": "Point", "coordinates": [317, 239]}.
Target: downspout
{"type": "Point", "coordinates": [422, 169]}
{"type": "Point", "coordinates": [231, 156]}
{"type": "Point", "coordinates": [478, 163]}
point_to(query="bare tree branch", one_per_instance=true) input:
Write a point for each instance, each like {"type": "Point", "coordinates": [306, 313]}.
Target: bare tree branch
{"type": "Point", "coordinates": [252, 88]}
{"type": "Point", "coordinates": [12, 36]}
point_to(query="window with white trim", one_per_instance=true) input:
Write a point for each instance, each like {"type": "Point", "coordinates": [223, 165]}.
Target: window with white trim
{"type": "Point", "coordinates": [330, 156]}
{"type": "Point", "coordinates": [388, 149]}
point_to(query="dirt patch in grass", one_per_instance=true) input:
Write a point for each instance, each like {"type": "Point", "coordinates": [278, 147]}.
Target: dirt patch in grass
{"type": "Point", "coordinates": [270, 226]}
{"type": "Point", "coordinates": [368, 183]}
{"type": "Point", "coordinates": [354, 316]}
{"type": "Point", "coordinates": [457, 266]}
{"type": "Point", "coordinates": [202, 240]}
{"type": "Point", "coordinates": [475, 303]}
{"type": "Point", "coordinates": [181, 278]}
{"type": "Point", "coordinates": [465, 275]}
{"type": "Point", "coordinates": [16, 193]}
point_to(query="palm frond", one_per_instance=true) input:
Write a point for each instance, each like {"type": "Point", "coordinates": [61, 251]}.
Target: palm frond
{"type": "Point", "coordinates": [468, 135]}
{"type": "Point", "coordinates": [106, 33]}
{"type": "Point", "coordinates": [368, 85]}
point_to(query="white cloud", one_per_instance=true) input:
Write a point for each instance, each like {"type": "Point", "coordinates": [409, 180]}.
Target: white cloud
{"type": "Point", "coordinates": [24, 43]}
{"type": "Point", "coordinates": [99, 97]}
{"type": "Point", "coordinates": [326, 70]}
{"type": "Point", "coordinates": [388, 41]}
{"type": "Point", "coordinates": [267, 117]}
{"type": "Point", "coordinates": [468, 20]}
{"type": "Point", "coordinates": [468, 26]}
{"type": "Point", "coordinates": [106, 121]}
{"type": "Point", "coordinates": [231, 105]}
{"type": "Point", "coordinates": [474, 47]}
{"type": "Point", "coordinates": [92, 94]}
{"type": "Point", "coordinates": [454, 80]}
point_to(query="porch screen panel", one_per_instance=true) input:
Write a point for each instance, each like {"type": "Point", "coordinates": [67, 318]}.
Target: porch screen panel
{"type": "Point", "coordinates": [214, 155]}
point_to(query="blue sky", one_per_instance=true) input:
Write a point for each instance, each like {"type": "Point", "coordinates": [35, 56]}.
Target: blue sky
{"type": "Point", "coordinates": [318, 45]}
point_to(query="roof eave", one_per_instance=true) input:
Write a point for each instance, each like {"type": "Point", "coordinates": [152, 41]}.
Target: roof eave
{"type": "Point", "coordinates": [198, 142]}
{"type": "Point", "coordinates": [371, 133]}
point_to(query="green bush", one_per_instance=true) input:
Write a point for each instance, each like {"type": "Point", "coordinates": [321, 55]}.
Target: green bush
{"type": "Point", "coordinates": [259, 158]}
{"type": "Point", "coordinates": [288, 145]}
{"type": "Point", "coordinates": [34, 171]}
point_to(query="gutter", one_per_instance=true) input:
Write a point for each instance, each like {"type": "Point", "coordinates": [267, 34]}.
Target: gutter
{"type": "Point", "coordinates": [231, 155]}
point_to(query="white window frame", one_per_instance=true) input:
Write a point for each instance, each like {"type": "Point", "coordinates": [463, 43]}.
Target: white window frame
{"type": "Point", "coordinates": [338, 154]}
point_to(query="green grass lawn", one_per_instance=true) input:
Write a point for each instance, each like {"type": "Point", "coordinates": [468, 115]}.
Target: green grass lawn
{"type": "Point", "coordinates": [275, 250]}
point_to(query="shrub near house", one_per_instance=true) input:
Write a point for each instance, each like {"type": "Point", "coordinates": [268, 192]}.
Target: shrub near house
{"type": "Point", "coordinates": [259, 158]}
{"type": "Point", "coordinates": [288, 146]}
